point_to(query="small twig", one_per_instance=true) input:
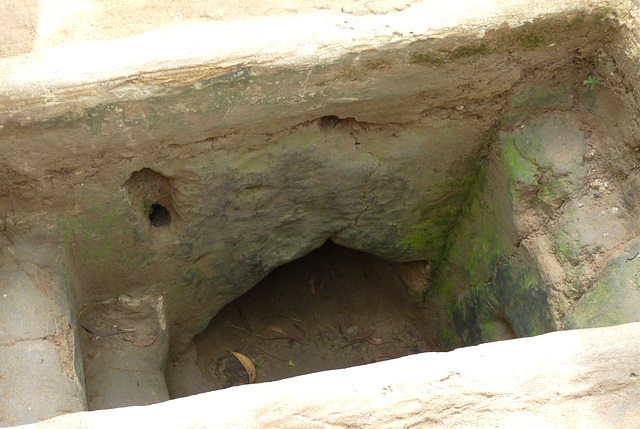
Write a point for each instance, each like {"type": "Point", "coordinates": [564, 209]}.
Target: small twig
{"type": "Point", "coordinates": [234, 326]}
{"type": "Point", "coordinates": [361, 338]}
{"type": "Point", "coordinates": [117, 332]}
{"type": "Point", "coordinates": [304, 334]}
{"type": "Point", "coordinates": [245, 322]}
{"type": "Point", "coordinates": [353, 343]}
{"type": "Point", "coordinates": [88, 330]}
{"type": "Point", "coordinates": [259, 348]}
{"type": "Point", "coordinates": [276, 338]}
{"type": "Point", "coordinates": [120, 331]}
{"type": "Point", "coordinates": [281, 331]}
{"type": "Point", "coordinates": [386, 356]}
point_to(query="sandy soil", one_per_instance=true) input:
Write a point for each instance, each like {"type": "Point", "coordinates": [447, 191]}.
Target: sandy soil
{"type": "Point", "coordinates": [334, 308]}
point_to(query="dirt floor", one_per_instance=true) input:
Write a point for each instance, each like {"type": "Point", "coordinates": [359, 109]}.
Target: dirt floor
{"type": "Point", "coordinates": [334, 308]}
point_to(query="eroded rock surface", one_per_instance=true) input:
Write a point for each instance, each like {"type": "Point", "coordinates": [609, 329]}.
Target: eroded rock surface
{"type": "Point", "coordinates": [496, 145]}
{"type": "Point", "coordinates": [578, 379]}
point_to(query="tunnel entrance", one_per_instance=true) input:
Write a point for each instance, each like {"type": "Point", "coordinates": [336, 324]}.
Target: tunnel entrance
{"type": "Point", "coordinates": [334, 308]}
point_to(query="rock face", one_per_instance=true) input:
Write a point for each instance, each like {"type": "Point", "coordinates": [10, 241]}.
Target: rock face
{"type": "Point", "coordinates": [579, 379]}
{"type": "Point", "coordinates": [159, 176]}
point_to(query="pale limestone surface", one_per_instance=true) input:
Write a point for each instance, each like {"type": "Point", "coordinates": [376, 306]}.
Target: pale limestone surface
{"type": "Point", "coordinates": [63, 56]}
{"type": "Point", "coordinates": [574, 379]}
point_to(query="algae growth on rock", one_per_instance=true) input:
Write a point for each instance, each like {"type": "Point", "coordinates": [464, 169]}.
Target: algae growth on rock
{"type": "Point", "coordinates": [489, 166]}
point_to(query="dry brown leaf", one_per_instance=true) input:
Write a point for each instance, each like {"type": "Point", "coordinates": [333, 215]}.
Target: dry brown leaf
{"type": "Point", "coordinates": [376, 341]}
{"type": "Point", "coordinates": [278, 330]}
{"type": "Point", "coordinates": [248, 366]}
{"type": "Point", "coordinates": [365, 335]}
{"type": "Point", "coordinates": [283, 333]}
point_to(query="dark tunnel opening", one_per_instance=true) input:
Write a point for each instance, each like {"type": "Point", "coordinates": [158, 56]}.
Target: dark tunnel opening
{"type": "Point", "coordinates": [333, 308]}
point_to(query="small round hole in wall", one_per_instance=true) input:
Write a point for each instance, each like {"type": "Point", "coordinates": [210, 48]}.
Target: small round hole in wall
{"type": "Point", "coordinates": [151, 199]}
{"type": "Point", "coordinates": [159, 216]}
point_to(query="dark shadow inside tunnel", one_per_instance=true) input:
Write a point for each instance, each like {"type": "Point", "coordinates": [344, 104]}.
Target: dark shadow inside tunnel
{"type": "Point", "coordinates": [333, 308]}
{"type": "Point", "coordinates": [159, 216]}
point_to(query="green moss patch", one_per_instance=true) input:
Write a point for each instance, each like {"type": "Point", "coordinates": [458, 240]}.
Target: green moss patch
{"type": "Point", "coordinates": [436, 57]}
{"type": "Point", "coordinates": [481, 276]}
{"type": "Point", "coordinates": [615, 299]}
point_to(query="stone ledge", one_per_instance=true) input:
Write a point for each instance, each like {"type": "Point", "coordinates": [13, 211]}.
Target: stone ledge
{"type": "Point", "coordinates": [147, 64]}
{"type": "Point", "coordinates": [579, 379]}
